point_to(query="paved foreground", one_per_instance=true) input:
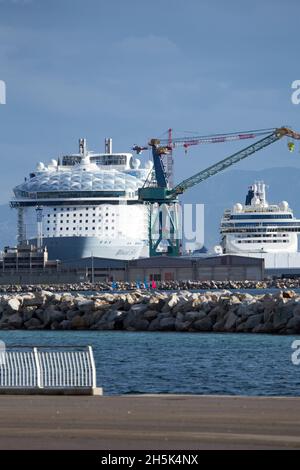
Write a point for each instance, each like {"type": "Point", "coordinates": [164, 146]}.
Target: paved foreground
{"type": "Point", "coordinates": [148, 422]}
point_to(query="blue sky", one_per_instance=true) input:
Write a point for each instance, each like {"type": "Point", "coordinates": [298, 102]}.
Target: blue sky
{"type": "Point", "coordinates": [131, 69]}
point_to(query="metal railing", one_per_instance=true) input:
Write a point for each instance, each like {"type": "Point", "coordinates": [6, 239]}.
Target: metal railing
{"type": "Point", "coordinates": [47, 368]}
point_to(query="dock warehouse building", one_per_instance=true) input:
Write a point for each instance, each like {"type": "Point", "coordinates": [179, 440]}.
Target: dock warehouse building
{"type": "Point", "coordinates": [160, 268]}
{"type": "Point", "coordinates": [218, 268]}
{"type": "Point", "coordinates": [163, 268]}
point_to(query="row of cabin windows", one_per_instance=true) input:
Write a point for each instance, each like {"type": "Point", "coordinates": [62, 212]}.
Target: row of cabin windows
{"type": "Point", "coordinates": [262, 241]}
{"type": "Point", "coordinates": [62, 210]}
{"type": "Point", "coordinates": [74, 208]}
{"type": "Point", "coordinates": [106, 242]}
{"type": "Point", "coordinates": [80, 228]}
{"type": "Point", "coordinates": [262, 235]}
{"type": "Point", "coordinates": [80, 221]}
{"type": "Point", "coordinates": [81, 215]}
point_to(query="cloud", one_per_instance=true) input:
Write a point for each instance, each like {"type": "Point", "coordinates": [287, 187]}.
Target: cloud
{"type": "Point", "coordinates": [150, 44]}
{"type": "Point", "coordinates": [17, 2]}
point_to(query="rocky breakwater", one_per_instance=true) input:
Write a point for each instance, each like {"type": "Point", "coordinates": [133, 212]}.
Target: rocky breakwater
{"type": "Point", "coordinates": [143, 311]}
{"type": "Point", "coordinates": [160, 286]}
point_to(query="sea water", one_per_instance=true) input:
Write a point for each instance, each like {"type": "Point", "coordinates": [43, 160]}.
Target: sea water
{"type": "Point", "coordinates": [187, 363]}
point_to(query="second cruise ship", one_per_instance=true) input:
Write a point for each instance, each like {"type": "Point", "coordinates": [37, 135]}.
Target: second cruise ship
{"type": "Point", "coordinates": [259, 227]}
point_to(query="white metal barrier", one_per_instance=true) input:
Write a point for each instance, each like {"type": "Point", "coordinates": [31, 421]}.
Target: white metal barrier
{"type": "Point", "coordinates": [47, 368]}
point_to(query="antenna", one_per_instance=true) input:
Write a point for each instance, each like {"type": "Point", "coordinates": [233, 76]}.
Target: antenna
{"type": "Point", "coordinates": [108, 145]}
{"type": "Point", "coordinates": [82, 147]}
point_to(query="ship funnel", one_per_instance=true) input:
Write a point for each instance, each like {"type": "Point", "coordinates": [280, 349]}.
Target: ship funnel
{"type": "Point", "coordinates": [108, 145]}
{"type": "Point", "coordinates": [82, 146]}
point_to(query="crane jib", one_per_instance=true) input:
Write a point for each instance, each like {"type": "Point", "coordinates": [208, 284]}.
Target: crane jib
{"type": "Point", "coordinates": [223, 164]}
{"type": "Point", "coordinates": [215, 138]}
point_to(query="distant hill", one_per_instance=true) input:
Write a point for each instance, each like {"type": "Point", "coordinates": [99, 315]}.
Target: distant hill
{"type": "Point", "coordinates": [217, 193]}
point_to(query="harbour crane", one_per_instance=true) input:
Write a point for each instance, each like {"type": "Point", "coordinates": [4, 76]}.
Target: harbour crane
{"type": "Point", "coordinates": [164, 197]}
{"type": "Point", "coordinates": [164, 147]}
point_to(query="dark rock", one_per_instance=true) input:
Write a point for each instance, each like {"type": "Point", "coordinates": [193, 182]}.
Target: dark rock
{"type": "Point", "coordinates": [33, 323]}
{"type": "Point", "coordinates": [15, 320]}
{"type": "Point", "coordinates": [167, 324]}
{"type": "Point", "coordinates": [230, 322]}
{"type": "Point", "coordinates": [205, 324]}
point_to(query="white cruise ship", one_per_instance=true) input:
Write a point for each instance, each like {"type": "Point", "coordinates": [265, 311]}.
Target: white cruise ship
{"type": "Point", "coordinates": [85, 204]}
{"type": "Point", "coordinates": [262, 230]}
{"type": "Point", "coordinates": [259, 227]}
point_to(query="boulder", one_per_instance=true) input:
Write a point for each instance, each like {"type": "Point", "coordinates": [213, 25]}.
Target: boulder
{"type": "Point", "coordinates": [86, 305]}
{"type": "Point", "coordinates": [34, 300]}
{"type": "Point", "coordinates": [179, 316]}
{"type": "Point", "coordinates": [182, 325]}
{"type": "Point", "coordinates": [194, 315]}
{"type": "Point", "coordinates": [289, 294]}
{"type": "Point", "coordinates": [71, 314]}
{"type": "Point", "coordinates": [134, 314]}
{"type": "Point", "coordinates": [172, 301]}
{"type": "Point", "coordinates": [67, 302]}
{"type": "Point", "coordinates": [154, 325]}
{"type": "Point", "coordinates": [234, 300]}
{"type": "Point", "coordinates": [150, 315]}
{"type": "Point", "coordinates": [114, 315]}
{"type": "Point", "coordinates": [219, 325]}
{"type": "Point", "coordinates": [78, 322]}
{"type": "Point", "coordinates": [156, 303]}
{"type": "Point", "coordinates": [65, 325]}
{"type": "Point", "coordinates": [246, 297]}
{"type": "Point", "coordinates": [268, 316]}
{"type": "Point", "coordinates": [213, 315]}
{"type": "Point", "coordinates": [28, 312]}
{"type": "Point", "coordinates": [167, 324]}
{"type": "Point", "coordinates": [183, 305]}
{"type": "Point", "coordinates": [207, 306]}
{"type": "Point", "coordinates": [263, 328]}
{"type": "Point", "coordinates": [141, 324]}
{"type": "Point", "coordinates": [296, 309]}
{"type": "Point", "coordinates": [280, 319]}
{"type": "Point", "coordinates": [32, 324]}
{"type": "Point", "coordinates": [294, 323]}
{"type": "Point", "coordinates": [39, 313]}
{"type": "Point", "coordinates": [117, 305]}
{"type": "Point", "coordinates": [205, 324]}
{"type": "Point", "coordinates": [13, 305]}
{"type": "Point", "coordinates": [252, 322]}
{"type": "Point", "coordinates": [15, 320]}
{"type": "Point", "coordinates": [162, 315]}
{"type": "Point", "coordinates": [50, 316]}
{"type": "Point", "coordinates": [230, 321]}
{"type": "Point", "coordinates": [139, 309]}
{"type": "Point", "coordinates": [54, 326]}
{"type": "Point", "coordinates": [103, 325]}
{"type": "Point", "coordinates": [129, 301]}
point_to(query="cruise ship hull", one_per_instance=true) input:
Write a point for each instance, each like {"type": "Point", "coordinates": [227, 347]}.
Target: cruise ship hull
{"type": "Point", "coordinates": [234, 246]}
{"type": "Point", "coordinates": [74, 248]}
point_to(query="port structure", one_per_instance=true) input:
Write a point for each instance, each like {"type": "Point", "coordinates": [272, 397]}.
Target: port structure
{"type": "Point", "coordinates": [167, 236]}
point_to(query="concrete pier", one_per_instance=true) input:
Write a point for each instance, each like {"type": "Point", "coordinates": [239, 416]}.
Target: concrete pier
{"type": "Point", "coordinates": [149, 422]}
